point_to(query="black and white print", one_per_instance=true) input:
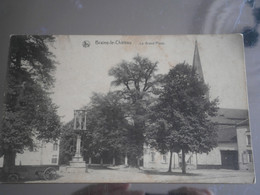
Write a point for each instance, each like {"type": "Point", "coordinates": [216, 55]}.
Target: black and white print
{"type": "Point", "coordinates": [148, 109]}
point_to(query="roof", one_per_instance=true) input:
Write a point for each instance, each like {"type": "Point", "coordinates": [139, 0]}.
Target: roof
{"type": "Point", "coordinates": [227, 120]}
{"type": "Point", "coordinates": [230, 116]}
{"type": "Point", "coordinates": [233, 113]}
{"type": "Point", "coordinates": [228, 134]}
{"type": "Point", "coordinates": [243, 123]}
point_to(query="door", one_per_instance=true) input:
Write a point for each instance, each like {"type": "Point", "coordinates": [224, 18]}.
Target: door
{"type": "Point", "coordinates": [229, 159]}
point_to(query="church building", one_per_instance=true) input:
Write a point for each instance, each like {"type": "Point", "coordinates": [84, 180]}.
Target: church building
{"type": "Point", "coordinates": [234, 141]}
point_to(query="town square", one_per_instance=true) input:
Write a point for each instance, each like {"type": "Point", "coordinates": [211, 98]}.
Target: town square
{"type": "Point", "coordinates": [139, 109]}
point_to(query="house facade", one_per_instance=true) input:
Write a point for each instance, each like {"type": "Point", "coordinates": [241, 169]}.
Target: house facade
{"type": "Point", "coordinates": [245, 154]}
{"type": "Point", "coordinates": [233, 151]}
{"type": "Point", "coordinates": [42, 153]}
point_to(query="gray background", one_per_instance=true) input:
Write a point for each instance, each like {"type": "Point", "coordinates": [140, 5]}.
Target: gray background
{"type": "Point", "coordinates": [133, 17]}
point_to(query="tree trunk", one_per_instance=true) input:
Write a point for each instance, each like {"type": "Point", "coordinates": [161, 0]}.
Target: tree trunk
{"type": "Point", "coordinates": [138, 137]}
{"type": "Point", "coordinates": [183, 162]}
{"type": "Point", "coordinates": [170, 164]}
{"type": "Point", "coordinates": [196, 161]}
{"type": "Point", "coordinates": [114, 161]}
{"type": "Point", "coordinates": [9, 161]}
{"type": "Point", "coordinates": [174, 162]}
{"type": "Point", "coordinates": [126, 160]}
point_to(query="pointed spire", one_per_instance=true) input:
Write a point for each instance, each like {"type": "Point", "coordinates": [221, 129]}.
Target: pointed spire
{"type": "Point", "coordinates": [196, 66]}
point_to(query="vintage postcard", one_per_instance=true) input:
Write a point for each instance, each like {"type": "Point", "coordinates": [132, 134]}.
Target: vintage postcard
{"type": "Point", "coordinates": [126, 109]}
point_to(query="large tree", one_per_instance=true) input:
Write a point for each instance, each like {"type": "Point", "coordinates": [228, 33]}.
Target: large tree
{"type": "Point", "coordinates": [180, 119]}
{"type": "Point", "coordinates": [107, 126]}
{"type": "Point", "coordinates": [29, 112]}
{"type": "Point", "coordinates": [137, 80]}
{"type": "Point", "coordinates": [67, 143]}
{"type": "Point", "coordinates": [106, 133]}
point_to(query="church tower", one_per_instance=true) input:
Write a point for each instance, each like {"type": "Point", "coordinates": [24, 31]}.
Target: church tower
{"type": "Point", "coordinates": [196, 66]}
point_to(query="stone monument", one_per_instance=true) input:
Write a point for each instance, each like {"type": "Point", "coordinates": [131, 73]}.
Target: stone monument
{"type": "Point", "coordinates": [77, 164]}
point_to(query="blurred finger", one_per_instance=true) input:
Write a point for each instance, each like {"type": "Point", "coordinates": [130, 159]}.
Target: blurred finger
{"type": "Point", "coordinates": [190, 191]}
{"type": "Point", "coordinates": [126, 193]}
{"type": "Point", "coordinates": [100, 189]}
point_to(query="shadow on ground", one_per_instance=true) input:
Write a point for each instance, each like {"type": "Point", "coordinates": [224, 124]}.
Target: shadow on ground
{"type": "Point", "coordinates": [31, 178]}
{"type": "Point", "coordinates": [101, 167]}
{"type": "Point", "coordinates": [154, 172]}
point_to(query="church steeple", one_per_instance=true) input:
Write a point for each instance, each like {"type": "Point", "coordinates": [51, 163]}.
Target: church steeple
{"type": "Point", "coordinates": [196, 66]}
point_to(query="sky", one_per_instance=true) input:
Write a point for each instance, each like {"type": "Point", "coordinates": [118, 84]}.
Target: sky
{"type": "Point", "coordinates": [84, 62]}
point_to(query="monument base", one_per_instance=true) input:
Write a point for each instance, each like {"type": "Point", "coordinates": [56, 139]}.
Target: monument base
{"type": "Point", "coordinates": [77, 165]}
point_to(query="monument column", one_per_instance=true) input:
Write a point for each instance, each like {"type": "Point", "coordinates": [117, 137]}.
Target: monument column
{"type": "Point", "coordinates": [77, 164]}
{"type": "Point", "coordinates": [78, 146]}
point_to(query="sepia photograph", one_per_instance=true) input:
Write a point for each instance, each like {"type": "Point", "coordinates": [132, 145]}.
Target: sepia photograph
{"type": "Point", "coordinates": [126, 109]}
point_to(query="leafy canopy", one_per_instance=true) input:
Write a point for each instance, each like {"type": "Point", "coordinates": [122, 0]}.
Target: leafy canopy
{"type": "Point", "coordinates": [138, 81]}
{"type": "Point", "coordinates": [28, 109]}
{"type": "Point", "coordinates": [180, 119]}
{"type": "Point", "coordinates": [106, 133]}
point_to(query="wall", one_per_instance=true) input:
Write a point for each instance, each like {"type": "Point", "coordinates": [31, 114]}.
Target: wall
{"type": "Point", "coordinates": [159, 162]}
{"type": "Point", "coordinates": [213, 158]}
{"type": "Point", "coordinates": [243, 147]}
{"type": "Point", "coordinates": [210, 160]}
{"type": "Point", "coordinates": [40, 155]}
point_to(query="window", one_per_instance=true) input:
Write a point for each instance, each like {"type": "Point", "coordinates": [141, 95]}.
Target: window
{"type": "Point", "coordinates": [250, 155]}
{"type": "Point", "coordinates": [189, 160]}
{"type": "Point", "coordinates": [152, 156]}
{"type": "Point", "coordinates": [54, 159]}
{"type": "Point", "coordinates": [164, 159]}
{"type": "Point", "coordinates": [244, 157]}
{"type": "Point", "coordinates": [248, 139]}
{"type": "Point", "coordinates": [55, 146]}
